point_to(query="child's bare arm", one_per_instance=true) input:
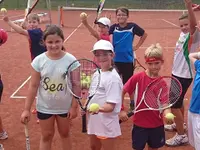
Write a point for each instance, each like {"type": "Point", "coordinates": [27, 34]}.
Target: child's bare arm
{"type": "Point", "coordinates": [123, 114]}
{"type": "Point", "coordinates": [90, 29]}
{"type": "Point", "coordinates": [107, 107]}
{"type": "Point", "coordinates": [32, 91]}
{"type": "Point", "coordinates": [194, 56]}
{"type": "Point", "coordinates": [192, 18]}
{"type": "Point", "coordinates": [16, 27]}
{"type": "Point", "coordinates": [141, 41]}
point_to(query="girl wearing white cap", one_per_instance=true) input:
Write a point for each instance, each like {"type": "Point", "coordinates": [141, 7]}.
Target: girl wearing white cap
{"type": "Point", "coordinates": [103, 126]}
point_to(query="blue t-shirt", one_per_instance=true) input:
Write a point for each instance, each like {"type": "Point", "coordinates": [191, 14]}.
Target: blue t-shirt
{"type": "Point", "coordinates": [123, 41]}
{"type": "Point", "coordinates": [35, 42]}
{"type": "Point", "coordinates": [195, 100]}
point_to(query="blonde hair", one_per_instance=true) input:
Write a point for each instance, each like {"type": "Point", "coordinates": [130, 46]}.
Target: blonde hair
{"type": "Point", "coordinates": [33, 17]}
{"type": "Point", "coordinates": [155, 50]}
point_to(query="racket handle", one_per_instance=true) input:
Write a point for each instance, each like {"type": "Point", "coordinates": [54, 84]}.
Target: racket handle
{"type": "Point", "coordinates": [84, 126]}
{"type": "Point", "coordinates": [129, 115]}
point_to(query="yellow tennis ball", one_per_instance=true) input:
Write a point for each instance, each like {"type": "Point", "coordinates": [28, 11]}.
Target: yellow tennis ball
{"type": "Point", "coordinates": [94, 107]}
{"type": "Point", "coordinates": [170, 116]}
{"type": "Point", "coordinates": [83, 15]}
{"type": "Point", "coordinates": [3, 10]}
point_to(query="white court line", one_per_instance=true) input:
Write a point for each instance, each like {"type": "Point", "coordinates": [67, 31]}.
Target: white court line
{"type": "Point", "coordinates": [18, 97]}
{"type": "Point", "coordinates": [170, 23]}
{"type": "Point", "coordinates": [13, 95]}
{"type": "Point", "coordinates": [73, 32]}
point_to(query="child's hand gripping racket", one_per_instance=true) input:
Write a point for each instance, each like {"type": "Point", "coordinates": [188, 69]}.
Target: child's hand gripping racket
{"type": "Point", "coordinates": [160, 94]}
{"type": "Point", "coordinates": [83, 78]}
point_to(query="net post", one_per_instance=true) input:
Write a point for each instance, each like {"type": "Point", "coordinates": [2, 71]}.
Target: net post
{"type": "Point", "coordinates": [59, 20]}
{"type": "Point", "coordinates": [60, 16]}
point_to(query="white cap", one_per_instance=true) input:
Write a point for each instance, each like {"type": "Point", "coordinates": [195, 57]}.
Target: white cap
{"type": "Point", "coordinates": [103, 45]}
{"type": "Point", "coordinates": [105, 21]}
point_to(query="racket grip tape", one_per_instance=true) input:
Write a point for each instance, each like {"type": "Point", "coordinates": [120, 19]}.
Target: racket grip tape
{"type": "Point", "coordinates": [84, 126]}
{"type": "Point", "coordinates": [129, 115]}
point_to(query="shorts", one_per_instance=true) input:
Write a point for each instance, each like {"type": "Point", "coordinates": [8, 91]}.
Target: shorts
{"type": "Point", "coordinates": [194, 129]}
{"type": "Point", "coordinates": [43, 116]}
{"type": "Point", "coordinates": [154, 137]}
{"type": "Point", "coordinates": [125, 70]}
{"type": "Point", "coordinates": [185, 85]}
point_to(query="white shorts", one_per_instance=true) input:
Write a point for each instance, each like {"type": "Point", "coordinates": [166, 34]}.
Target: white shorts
{"type": "Point", "coordinates": [194, 129]}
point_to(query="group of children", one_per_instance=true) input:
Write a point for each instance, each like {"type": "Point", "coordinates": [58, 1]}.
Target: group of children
{"type": "Point", "coordinates": [55, 104]}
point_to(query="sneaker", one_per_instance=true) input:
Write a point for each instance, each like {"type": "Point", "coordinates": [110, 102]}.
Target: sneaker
{"type": "Point", "coordinates": [177, 140]}
{"type": "Point", "coordinates": [3, 135]}
{"type": "Point", "coordinates": [1, 147]}
{"type": "Point", "coordinates": [172, 127]}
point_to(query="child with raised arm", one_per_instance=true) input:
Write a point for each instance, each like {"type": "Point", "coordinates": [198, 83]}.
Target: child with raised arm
{"type": "Point", "coordinates": [103, 27]}
{"type": "Point", "coordinates": [103, 127]}
{"type": "Point", "coordinates": [188, 42]}
{"type": "Point", "coordinates": [54, 102]}
{"type": "Point", "coordinates": [194, 109]}
{"type": "Point", "coordinates": [148, 125]}
{"type": "Point", "coordinates": [33, 33]}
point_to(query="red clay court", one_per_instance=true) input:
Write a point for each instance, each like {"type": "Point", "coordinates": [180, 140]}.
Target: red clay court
{"type": "Point", "coordinates": [15, 69]}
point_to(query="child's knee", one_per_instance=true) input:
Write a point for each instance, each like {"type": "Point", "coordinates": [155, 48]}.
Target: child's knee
{"type": "Point", "coordinates": [65, 135]}
{"type": "Point", "coordinates": [47, 136]}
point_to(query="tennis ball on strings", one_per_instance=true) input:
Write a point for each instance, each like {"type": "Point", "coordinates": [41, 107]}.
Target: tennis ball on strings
{"type": "Point", "coordinates": [170, 116]}
{"type": "Point", "coordinates": [83, 15]}
{"type": "Point", "coordinates": [83, 83]}
{"type": "Point", "coordinates": [88, 85]}
{"type": "Point", "coordinates": [83, 76]}
{"type": "Point", "coordinates": [94, 107]}
{"type": "Point", "coordinates": [88, 79]}
{"type": "Point", "coordinates": [3, 10]}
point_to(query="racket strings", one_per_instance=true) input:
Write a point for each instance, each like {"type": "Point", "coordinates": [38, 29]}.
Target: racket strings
{"type": "Point", "coordinates": [81, 80]}
{"type": "Point", "coordinates": [163, 93]}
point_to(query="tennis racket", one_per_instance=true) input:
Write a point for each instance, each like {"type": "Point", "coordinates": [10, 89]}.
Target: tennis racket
{"type": "Point", "coordinates": [83, 79]}
{"type": "Point", "coordinates": [27, 136]}
{"type": "Point", "coordinates": [137, 65]}
{"type": "Point", "coordinates": [99, 10]}
{"type": "Point", "coordinates": [30, 6]}
{"type": "Point", "coordinates": [160, 94]}
{"type": "Point", "coordinates": [1, 1]}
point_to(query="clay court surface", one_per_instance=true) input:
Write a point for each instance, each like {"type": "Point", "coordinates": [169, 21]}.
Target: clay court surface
{"type": "Point", "coordinates": [15, 69]}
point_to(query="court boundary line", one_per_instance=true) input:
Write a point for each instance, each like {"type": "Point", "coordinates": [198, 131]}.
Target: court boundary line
{"type": "Point", "coordinates": [171, 23]}
{"type": "Point", "coordinates": [13, 96]}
